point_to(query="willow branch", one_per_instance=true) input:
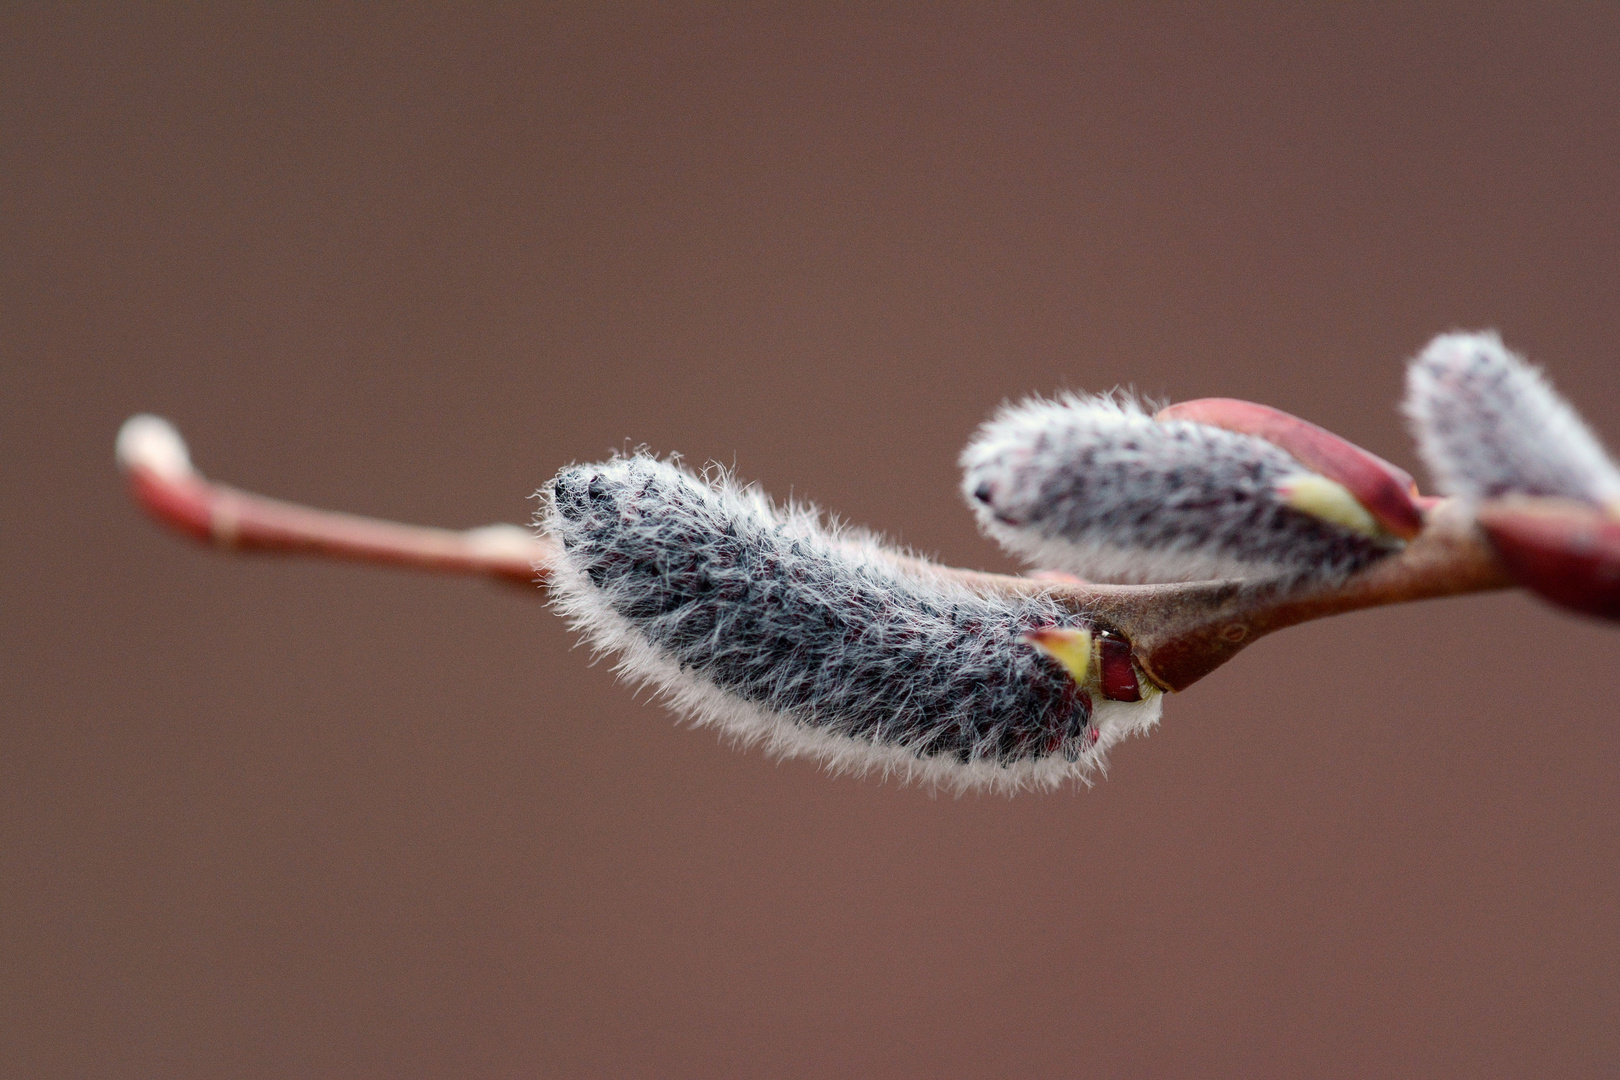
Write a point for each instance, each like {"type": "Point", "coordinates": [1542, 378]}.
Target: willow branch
{"type": "Point", "coordinates": [164, 483]}
{"type": "Point", "coordinates": [1179, 632]}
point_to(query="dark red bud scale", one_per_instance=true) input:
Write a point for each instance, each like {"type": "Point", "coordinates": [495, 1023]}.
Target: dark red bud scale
{"type": "Point", "coordinates": [1386, 491]}
{"type": "Point", "coordinates": [1118, 673]}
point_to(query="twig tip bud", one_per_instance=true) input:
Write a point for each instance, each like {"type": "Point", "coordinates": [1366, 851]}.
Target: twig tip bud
{"type": "Point", "coordinates": [152, 443]}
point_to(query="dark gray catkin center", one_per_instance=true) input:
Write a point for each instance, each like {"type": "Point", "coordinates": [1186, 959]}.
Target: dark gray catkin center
{"type": "Point", "coordinates": [788, 623]}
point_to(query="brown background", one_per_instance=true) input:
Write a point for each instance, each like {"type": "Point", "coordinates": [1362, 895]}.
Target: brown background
{"type": "Point", "coordinates": [276, 818]}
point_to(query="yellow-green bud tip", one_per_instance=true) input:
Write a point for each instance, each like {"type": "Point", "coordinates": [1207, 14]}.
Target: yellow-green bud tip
{"type": "Point", "coordinates": [1329, 500]}
{"type": "Point", "coordinates": [1068, 645]}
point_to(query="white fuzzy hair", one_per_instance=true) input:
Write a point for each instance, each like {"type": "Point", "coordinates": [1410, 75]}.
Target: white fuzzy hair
{"type": "Point", "coordinates": [666, 522]}
{"type": "Point", "coordinates": [1488, 423]}
{"type": "Point", "coordinates": [1095, 486]}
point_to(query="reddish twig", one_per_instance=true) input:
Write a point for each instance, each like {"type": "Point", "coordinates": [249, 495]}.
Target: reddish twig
{"type": "Point", "coordinates": [163, 481]}
{"type": "Point", "coordinates": [1179, 632]}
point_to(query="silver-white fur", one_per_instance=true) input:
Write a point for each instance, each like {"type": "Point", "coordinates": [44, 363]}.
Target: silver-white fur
{"type": "Point", "coordinates": [1487, 423]}
{"type": "Point", "coordinates": [744, 722]}
{"type": "Point", "coordinates": [1094, 486]}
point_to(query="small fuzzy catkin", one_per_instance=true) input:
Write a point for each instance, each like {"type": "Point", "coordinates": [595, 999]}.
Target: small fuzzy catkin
{"type": "Point", "coordinates": [1488, 424]}
{"type": "Point", "coordinates": [1094, 486]}
{"type": "Point", "coordinates": [774, 628]}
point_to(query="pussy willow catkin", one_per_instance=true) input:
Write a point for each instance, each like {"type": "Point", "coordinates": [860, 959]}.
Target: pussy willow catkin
{"type": "Point", "coordinates": [1097, 487]}
{"type": "Point", "coordinates": [776, 629]}
{"type": "Point", "coordinates": [1488, 424]}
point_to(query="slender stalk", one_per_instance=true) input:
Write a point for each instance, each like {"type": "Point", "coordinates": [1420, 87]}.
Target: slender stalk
{"type": "Point", "coordinates": [1179, 632]}
{"type": "Point", "coordinates": [163, 481]}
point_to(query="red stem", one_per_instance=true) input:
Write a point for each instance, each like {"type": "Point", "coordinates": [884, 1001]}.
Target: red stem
{"type": "Point", "coordinates": [164, 483]}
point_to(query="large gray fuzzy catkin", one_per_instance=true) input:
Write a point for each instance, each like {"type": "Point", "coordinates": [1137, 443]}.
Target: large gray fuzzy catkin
{"type": "Point", "coordinates": [814, 640]}
{"type": "Point", "coordinates": [1094, 486]}
{"type": "Point", "coordinates": [1488, 424]}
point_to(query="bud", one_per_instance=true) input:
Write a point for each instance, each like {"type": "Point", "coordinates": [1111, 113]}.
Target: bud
{"type": "Point", "coordinates": [1383, 491]}
{"type": "Point", "coordinates": [1567, 552]}
{"type": "Point", "coordinates": [1096, 487]}
{"type": "Point", "coordinates": [1488, 424]}
{"type": "Point", "coordinates": [776, 629]}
